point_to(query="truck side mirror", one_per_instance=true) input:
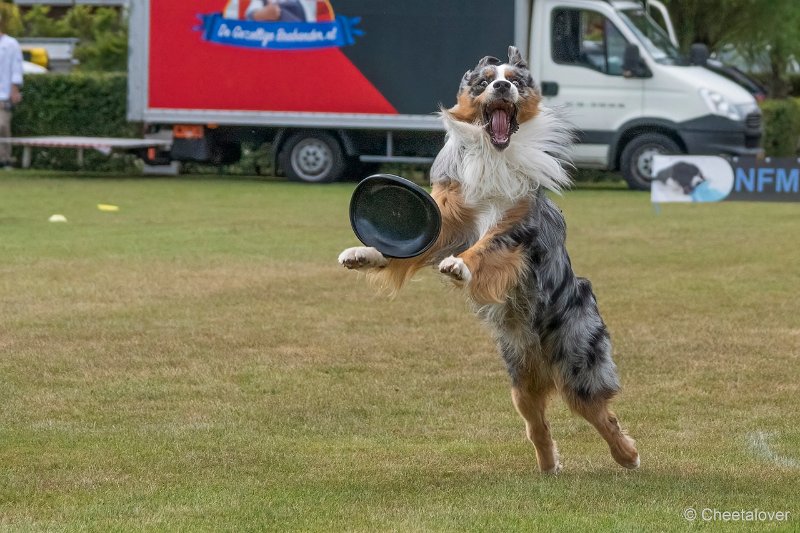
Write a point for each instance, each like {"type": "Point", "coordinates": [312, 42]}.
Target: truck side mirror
{"type": "Point", "coordinates": [632, 64]}
{"type": "Point", "coordinates": [698, 54]}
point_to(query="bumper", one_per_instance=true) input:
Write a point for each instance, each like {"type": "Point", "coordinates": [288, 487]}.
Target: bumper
{"type": "Point", "coordinates": [713, 135]}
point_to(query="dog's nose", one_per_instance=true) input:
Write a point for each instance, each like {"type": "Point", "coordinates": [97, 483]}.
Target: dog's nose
{"type": "Point", "coordinates": [502, 86]}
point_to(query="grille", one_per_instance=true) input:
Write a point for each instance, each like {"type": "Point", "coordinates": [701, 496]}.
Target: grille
{"type": "Point", "coordinates": [753, 121]}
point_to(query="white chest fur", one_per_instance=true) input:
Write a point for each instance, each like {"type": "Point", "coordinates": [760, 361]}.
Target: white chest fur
{"type": "Point", "coordinates": [489, 214]}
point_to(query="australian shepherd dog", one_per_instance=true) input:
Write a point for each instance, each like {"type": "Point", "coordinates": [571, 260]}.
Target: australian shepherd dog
{"type": "Point", "coordinates": [503, 243]}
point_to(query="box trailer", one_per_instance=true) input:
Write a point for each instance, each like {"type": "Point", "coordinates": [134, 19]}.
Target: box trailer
{"type": "Point", "coordinates": [338, 85]}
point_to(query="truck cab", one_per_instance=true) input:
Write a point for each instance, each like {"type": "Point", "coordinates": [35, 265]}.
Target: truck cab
{"type": "Point", "coordinates": [623, 83]}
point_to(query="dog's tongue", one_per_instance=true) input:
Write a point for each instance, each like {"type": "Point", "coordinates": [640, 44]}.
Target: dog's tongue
{"type": "Point", "coordinates": [500, 126]}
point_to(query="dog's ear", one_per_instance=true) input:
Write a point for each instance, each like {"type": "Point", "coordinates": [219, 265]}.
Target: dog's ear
{"type": "Point", "coordinates": [489, 60]}
{"type": "Point", "coordinates": [465, 80]}
{"type": "Point", "coordinates": [515, 58]}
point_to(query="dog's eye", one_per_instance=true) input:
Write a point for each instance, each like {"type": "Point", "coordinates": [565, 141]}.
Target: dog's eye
{"type": "Point", "coordinates": [484, 83]}
{"type": "Point", "coordinates": [516, 83]}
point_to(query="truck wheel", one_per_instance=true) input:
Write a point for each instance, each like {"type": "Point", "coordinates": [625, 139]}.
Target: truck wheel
{"type": "Point", "coordinates": [637, 158]}
{"type": "Point", "coordinates": [313, 157]}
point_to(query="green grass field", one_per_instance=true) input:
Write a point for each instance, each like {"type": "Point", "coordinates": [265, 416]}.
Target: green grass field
{"type": "Point", "coordinates": [198, 361]}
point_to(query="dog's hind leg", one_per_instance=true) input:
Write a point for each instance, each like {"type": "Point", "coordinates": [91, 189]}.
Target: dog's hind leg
{"type": "Point", "coordinates": [531, 398]}
{"type": "Point", "coordinates": [623, 448]}
{"type": "Point", "coordinates": [577, 342]}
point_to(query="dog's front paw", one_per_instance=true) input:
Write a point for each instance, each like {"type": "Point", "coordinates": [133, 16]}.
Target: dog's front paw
{"type": "Point", "coordinates": [456, 270]}
{"type": "Point", "coordinates": [362, 257]}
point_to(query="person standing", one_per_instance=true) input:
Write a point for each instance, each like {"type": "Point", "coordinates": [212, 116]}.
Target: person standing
{"type": "Point", "coordinates": [10, 84]}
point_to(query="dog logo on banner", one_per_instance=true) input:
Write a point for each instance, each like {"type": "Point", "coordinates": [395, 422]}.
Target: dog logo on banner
{"type": "Point", "coordinates": [678, 178]}
{"type": "Point", "coordinates": [280, 25]}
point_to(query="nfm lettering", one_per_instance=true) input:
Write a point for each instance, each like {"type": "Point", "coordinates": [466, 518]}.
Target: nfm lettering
{"type": "Point", "coordinates": [766, 179]}
{"type": "Point", "coordinates": [769, 179]}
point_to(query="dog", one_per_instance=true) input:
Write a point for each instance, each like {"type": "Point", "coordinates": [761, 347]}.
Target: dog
{"type": "Point", "coordinates": [503, 242]}
{"type": "Point", "coordinates": [681, 176]}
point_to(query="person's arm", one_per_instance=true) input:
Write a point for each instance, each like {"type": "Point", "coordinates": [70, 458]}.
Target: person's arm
{"type": "Point", "coordinates": [263, 12]}
{"type": "Point", "coordinates": [255, 5]}
{"type": "Point", "coordinates": [16, 76]}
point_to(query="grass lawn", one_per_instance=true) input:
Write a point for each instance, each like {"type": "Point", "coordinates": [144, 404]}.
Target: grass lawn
{"type": "Point", "coordinates": [198, 360]}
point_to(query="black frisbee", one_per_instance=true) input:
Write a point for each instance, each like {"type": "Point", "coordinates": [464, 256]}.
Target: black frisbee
{"type": "Point", "coordinates": [395, 216]}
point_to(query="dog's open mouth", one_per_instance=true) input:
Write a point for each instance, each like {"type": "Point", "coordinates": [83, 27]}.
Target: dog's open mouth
{"type": "Point", "coordinates": [501, 122]}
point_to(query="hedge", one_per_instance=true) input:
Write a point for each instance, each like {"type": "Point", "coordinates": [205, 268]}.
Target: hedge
{"type": "Point", "coordinates": [94, 104]}
{"type": "Point", "coordinates": [781, 127]}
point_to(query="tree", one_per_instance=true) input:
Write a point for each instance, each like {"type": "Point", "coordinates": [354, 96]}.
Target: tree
{"type": "Point", "coordinates": [102, 34]}
{"type": "Point", "coordinates": [775, 32]}
{"type": "Point", "coordinates": [711, 22]}
{"type": "Point", "coordinates": [756, 28]}
{"type": "Point", "coordinates": [12, 22]}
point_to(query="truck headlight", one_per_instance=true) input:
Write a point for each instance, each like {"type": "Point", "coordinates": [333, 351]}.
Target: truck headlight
{"type": "Point", "coordinates": [719, 105]}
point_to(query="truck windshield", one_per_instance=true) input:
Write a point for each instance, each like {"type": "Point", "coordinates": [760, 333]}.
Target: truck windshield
{"type": "Point", "coordinates": [652, 37]}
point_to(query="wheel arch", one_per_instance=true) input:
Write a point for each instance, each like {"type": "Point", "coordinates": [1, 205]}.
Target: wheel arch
{"type": "Point", "coordinates": [631, 129]}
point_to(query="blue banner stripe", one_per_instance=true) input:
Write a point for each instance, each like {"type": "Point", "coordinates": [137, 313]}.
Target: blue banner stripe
{"type": "Point", "coordinates": [280, 35]}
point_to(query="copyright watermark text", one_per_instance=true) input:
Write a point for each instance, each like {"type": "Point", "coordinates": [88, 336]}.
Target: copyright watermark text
{"type": "Point", "coordinates": [708, 514]}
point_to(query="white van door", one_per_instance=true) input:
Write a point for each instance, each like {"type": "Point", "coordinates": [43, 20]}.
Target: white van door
{"type": "Point", "coordinates": [581, 71]}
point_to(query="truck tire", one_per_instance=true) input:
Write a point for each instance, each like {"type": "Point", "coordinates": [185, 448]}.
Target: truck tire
{"type": "Point", "coordinates": [637, 158]}
{"type": "Point", "coordinates": [312, 157]}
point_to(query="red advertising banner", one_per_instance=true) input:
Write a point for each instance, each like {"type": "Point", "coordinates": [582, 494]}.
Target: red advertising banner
{"type": "Point", "coordinates": [214, 55]}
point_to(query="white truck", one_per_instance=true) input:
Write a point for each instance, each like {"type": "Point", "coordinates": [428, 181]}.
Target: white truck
{"type": "Point", "coordinates": [338, 85]}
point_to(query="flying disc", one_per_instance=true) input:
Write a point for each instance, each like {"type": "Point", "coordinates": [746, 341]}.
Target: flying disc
{"type": "Point", "coordinates": [395, 216]}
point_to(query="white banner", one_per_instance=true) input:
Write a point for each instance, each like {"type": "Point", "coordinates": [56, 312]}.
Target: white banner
{"type": "Point", "coordinates": [704, 178]}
